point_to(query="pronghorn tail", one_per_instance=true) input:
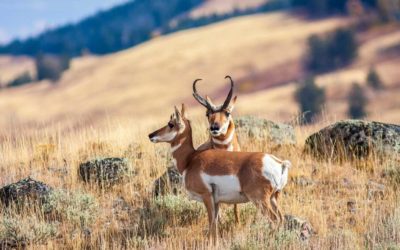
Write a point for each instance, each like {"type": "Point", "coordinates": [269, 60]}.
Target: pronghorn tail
{"type": "Point", "coordinates": [285, 172]}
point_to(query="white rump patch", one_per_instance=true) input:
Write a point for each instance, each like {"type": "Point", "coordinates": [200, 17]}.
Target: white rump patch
{"type": "Point", "coordinates": [275, 172]}
{"type": "Point", "coordinates": [227, 188]}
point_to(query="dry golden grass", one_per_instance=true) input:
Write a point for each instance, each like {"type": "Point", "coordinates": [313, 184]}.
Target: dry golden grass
{"type": "Point", "coordinates": [135, 83]}
{"type": "Point", "coordinates": [11, 67]}
{"type": "Point", "coordinates": [106, 106]}
{"type": "Point", "coordinates": [127, 215]}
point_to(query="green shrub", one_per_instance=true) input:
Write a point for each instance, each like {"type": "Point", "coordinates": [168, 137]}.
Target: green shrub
{"type": "Point", "coordinates": [51, 67]}
{"type": "Point", "coordinates": [373, 79]}
{"type": "Point", "coordinates": [311, 99]}
{"type": "Point", "coordinates": [337, 49]}
{"type": "Point", "coordinates": [169, 210]}
{"type": "Point", "coordinates": [19, 231]}
{"type": "Point", "coordinates": [261, 236]}
{"type": "Point", "coordinates": [77, 208]}
{"type": "Point", "coordinates": [357, 102]}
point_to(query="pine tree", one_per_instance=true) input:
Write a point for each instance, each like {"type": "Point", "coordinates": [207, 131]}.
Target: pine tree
{"type": "Point", "coordinates": [373, 79]}
{"type": "Point", "coordinates": [311, 99]}
{"type": "Point", "coordinates": [357, 102]}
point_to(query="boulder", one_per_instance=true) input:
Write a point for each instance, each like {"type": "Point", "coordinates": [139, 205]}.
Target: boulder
{"type": "Point", "coordinates": [375, 190]}
{"type": "Point", "coordinates": [107, 171]}
{"type": "Point", "coordinates": [300, 226]}
{"type": "Point", "coordinates": [276, 133]}
{"type": "Point", "coordinates": [354, 139]}
{"type": "Point", "coordinates": [24, 190]}
{"type": "Point", "coordinates": [169, 182]}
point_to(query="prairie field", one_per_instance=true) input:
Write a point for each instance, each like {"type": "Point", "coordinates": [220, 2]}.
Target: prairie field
{"type": "Point", "coordinates": [340, 201]}
{"type": "Point", "coordinates": [105, 106]}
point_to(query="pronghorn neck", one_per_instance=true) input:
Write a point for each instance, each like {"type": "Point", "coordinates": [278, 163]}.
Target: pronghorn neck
{"type": "Point", "coordinates": [182, 148]}
{"type": "Point", "coordinates": [225, 141]}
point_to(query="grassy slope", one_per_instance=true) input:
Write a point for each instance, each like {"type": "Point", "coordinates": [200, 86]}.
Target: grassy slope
{"type": "Point", "coordinates": [11, 67]}
{"type": "Point", "coordinates": [138, 82]}
{"type": "Point", "coordinates": [261, 52]}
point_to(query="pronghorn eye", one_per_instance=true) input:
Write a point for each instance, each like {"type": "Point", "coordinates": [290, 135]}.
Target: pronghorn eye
{"type": "Point", "coordinates": [227, 113]}
{"type": "Point", "coordinates": [170, 125]}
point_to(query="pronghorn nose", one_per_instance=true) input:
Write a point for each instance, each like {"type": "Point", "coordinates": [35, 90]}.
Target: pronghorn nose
{"type": "Point", "coordinates": [214, 127]}
{"type": "Point", "coordinates": [151, 135]}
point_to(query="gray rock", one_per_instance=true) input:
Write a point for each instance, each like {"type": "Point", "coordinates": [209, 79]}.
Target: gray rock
{"type": "Point", "coordinates": [24, 190]}
{"type": "Point", "coordinates": [375, 190]}
{"type": "Point", "coordinates": [169, 182]}
{"type": "Point", "coordinates": [354, 139]}
{"type": "Point", "coordinates": [301, 226]}
{"type": "Point", "coordinates": [351, 206]}
{"type": "Point", "coordinates": [275, 133]}
{"type": "Point", "coordinates": [303, 181]}
{"type": "Point", "coordinates": [104, 171]}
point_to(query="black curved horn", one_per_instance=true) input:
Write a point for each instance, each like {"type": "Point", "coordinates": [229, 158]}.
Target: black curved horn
{"type": "Point", "coordinates": [200, 99]}
{"type": "Point", "coordinates": [229, 97]}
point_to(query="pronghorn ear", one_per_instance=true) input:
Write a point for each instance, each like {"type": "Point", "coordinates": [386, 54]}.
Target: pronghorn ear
{"type": "Point", "coordinates": [178, 116]}
{"type": "Point", "coordinates": [183, 111]}
{"type": "Point", "coordinates": [232, 104]}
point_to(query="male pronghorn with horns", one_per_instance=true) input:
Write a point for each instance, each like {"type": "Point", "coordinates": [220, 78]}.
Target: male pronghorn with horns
{"type": "Point", "coordinates": [221, 125]}
{"type": "Point", "coordinates": [219, 176]}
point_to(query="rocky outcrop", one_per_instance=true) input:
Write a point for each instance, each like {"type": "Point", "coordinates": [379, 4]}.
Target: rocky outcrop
{"type": "Point", "coordinates": [274, 133]}
{"type": "Point", "coordinates": [24, 190]}
{"type": "Point", "coordinates": [300, 226]}
{"type": "Point", "coordinates": [104, 171]}
{"type": "Point", "coordinates": [169, 182]}
{"type": "Point", "coordinates": [354, 139]}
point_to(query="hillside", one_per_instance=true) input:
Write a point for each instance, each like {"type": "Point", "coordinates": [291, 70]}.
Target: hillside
{"type": "Point", "coordinates": [145, 81]}
{"type": "Point", "coordinates": [137, 82]}
{"type": "Point", "coordinates": [12, 66]}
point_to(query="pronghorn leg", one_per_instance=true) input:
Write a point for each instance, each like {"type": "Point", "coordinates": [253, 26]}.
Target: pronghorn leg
{"type": "Point", "coordinates": [235, 210]}
{"type": "Point", "coordinates": [260, 209]}
{"type": "Point", "coordinates": [216, 207]}
{"type": "Point", "coordinates": [269, 211]}
{"type": "Point", "coordinates": [275, 207]}
{"type": "Point", "coordinates": [208, 200]}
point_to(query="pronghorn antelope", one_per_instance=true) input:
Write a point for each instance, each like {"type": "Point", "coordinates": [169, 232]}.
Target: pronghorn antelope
{"type": "Point", "coordinates": [219, 176]}
{"type": "Point", "coordinates": [221, 125]}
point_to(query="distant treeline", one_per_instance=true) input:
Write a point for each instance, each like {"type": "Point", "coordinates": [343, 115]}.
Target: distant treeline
{"type": "Point", "coordinates": [122, 27]}
{"type": "Point", "coordinates": [138, 21]}
{"type": "Point", "coordinates": [187, 23]}
{"type": "Point", "coordinates": [118, 28]}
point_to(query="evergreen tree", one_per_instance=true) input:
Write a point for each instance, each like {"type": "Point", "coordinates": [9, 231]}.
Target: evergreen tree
{"type": "Point", "coordinates": [311, 99]}
{"type": "Point", "coordinates": [357, 102]}
{"type": "Point", "coordinates": [373, 79]}
{"type": "Point", "coordinates": [336, 50]}
{"type": "Point", "coordinates": [51, 67]}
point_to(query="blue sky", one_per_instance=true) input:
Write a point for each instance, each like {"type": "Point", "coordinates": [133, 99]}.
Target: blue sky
{"type": "Point", "coordinates": [24, 18]}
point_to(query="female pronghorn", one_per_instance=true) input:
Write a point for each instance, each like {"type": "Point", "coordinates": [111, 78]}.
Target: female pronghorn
{"type": "Point", "coordinates": [219, 176]}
